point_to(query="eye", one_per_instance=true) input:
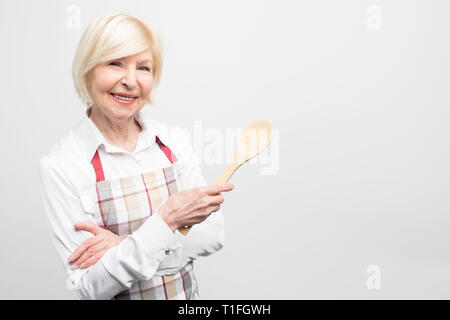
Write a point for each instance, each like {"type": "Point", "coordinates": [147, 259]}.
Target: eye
{"type": "Point", "coordinates": [114, 63]}
{"type": "Point", "coordinates": [145, 68]}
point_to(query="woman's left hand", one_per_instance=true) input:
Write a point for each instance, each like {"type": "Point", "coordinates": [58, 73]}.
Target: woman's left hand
{"type": "Point", "coordinates": [92, 249]}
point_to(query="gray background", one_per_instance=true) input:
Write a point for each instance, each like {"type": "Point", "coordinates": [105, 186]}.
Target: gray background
{"type": "Point", "coordinates": [363, 119]}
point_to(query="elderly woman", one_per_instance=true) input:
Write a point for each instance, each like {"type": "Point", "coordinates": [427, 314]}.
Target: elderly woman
{"type": "Point", "coordinates": [118, 185]}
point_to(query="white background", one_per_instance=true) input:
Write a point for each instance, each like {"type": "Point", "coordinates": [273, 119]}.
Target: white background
{"type": "Point", "coordinates": [359, 91]}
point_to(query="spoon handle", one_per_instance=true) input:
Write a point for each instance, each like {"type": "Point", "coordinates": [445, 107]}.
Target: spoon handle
{"type": "Point", "coordinates": [224, 177]}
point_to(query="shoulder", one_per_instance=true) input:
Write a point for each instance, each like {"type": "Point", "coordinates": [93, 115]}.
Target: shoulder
{"type": "Point", "coordinates": [65, 158]}
{"type": "Point", "coordinates": [64, 148]}
{"type": "Point", "coordinates": [61, 149]}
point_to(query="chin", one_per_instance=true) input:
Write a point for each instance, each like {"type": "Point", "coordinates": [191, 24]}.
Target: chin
{"type": "Point", "coordinates": [124, 112]}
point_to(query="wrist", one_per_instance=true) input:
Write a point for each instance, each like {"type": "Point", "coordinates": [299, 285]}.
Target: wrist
{"type": "Point", "coordinates": [168, 218]}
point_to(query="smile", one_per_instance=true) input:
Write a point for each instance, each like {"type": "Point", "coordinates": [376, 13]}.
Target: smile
{"type": "Point", "coordinates": [123, 99]}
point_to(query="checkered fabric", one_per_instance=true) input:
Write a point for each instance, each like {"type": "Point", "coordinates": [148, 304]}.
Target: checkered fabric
{"type": "Point", "coordinates": [125, 204]}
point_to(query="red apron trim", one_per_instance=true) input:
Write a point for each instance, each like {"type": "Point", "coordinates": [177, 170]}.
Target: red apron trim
{"type": "Point", "coordinates": [169, 154]}
{"type": "Point", "coordinates": [98, 168]}
{"type": "Point", "coordinates": [97, 163]}
{"type": "Point", "coordinates": [164, 284]}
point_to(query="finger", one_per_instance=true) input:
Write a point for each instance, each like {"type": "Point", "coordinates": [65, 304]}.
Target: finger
{"type": "Point", "coordinates": [88, 226]}
{"type": "Point", "coordinates": [90, 253]}
{"type": "Point", "coordinates": [83, 247]}
{"type": "Point", "coordinates": [214, 208]}
{"type": "Point", "coordinates": [92, 260]}
{"type": "Point", "coordinates": [93, 250]}
{"type": "Point", "coordinates": [217, 188]}
{"type": "Point", "coordinates": [215, 200]}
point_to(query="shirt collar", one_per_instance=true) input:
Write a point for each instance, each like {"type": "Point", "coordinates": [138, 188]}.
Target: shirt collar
{"type": "Point", "coordinates": [91, 138]}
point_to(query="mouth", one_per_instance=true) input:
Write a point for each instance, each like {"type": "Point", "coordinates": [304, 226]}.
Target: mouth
{"type": "Point", "coordinates": [126, 100]}
{"type": "Point", "coordinates": [124, 97]}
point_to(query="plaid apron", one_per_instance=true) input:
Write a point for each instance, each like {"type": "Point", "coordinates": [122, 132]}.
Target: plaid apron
{"type": "Point", "coordinates": [124, 204]}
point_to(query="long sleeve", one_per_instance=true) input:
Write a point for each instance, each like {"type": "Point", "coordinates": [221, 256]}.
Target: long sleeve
{"type": "Point", "coordinates": [208, 236]}
{"type": "Point", "coordinates": [136, 258]}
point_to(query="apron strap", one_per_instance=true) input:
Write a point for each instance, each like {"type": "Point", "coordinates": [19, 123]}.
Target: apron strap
{"type": "Point", "coordinates": [98, 168]}
{"type": "Point", "coordinates": [169, 154]}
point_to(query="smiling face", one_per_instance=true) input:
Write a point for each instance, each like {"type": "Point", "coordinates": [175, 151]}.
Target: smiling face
{"type": "Point", "coordinates": [120, 88]}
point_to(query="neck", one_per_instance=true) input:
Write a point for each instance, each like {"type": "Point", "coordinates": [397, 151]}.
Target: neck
{"type": "Point", "coordinates": [122, 133]}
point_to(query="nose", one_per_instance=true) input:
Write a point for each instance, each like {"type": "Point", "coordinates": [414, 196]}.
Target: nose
{"type": "Point", "coordinates": [129, 79]}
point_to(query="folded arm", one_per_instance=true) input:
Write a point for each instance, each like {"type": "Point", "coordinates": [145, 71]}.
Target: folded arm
{"type": "Point", "coordinates": [136, 258]}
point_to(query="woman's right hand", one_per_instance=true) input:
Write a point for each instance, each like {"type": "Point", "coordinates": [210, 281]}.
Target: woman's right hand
{"type": "Point", "coordinates": [189, 207]}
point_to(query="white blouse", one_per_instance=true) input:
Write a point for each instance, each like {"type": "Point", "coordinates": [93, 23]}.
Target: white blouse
{"type": "Point", "coordinates": [69, 195]}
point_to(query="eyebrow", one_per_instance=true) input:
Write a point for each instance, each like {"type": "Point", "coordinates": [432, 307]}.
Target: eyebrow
{"type": "Point", "coordinates": [141, 61]}
{"type": "Point", "coordinates": [146, 60]}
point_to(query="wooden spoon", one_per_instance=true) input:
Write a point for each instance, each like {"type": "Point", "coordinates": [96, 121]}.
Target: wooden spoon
{"type": "Point", "coordinates": [255, 139]}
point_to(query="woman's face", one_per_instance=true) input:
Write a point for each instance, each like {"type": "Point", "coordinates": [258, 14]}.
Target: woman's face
{"type": "Point", "coordinates": [130, 76]}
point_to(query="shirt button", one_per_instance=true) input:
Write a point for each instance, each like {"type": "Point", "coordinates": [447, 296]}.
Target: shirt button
{"type": "Point", "coordinates": [168, 252]}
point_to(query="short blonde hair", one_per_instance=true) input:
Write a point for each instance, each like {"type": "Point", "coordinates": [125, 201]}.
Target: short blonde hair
{"type": "Point", "coordinates": [109, 36]}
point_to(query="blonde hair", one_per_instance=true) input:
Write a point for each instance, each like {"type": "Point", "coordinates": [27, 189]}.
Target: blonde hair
{"type": "Point", "coordinates": [112, 36]}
